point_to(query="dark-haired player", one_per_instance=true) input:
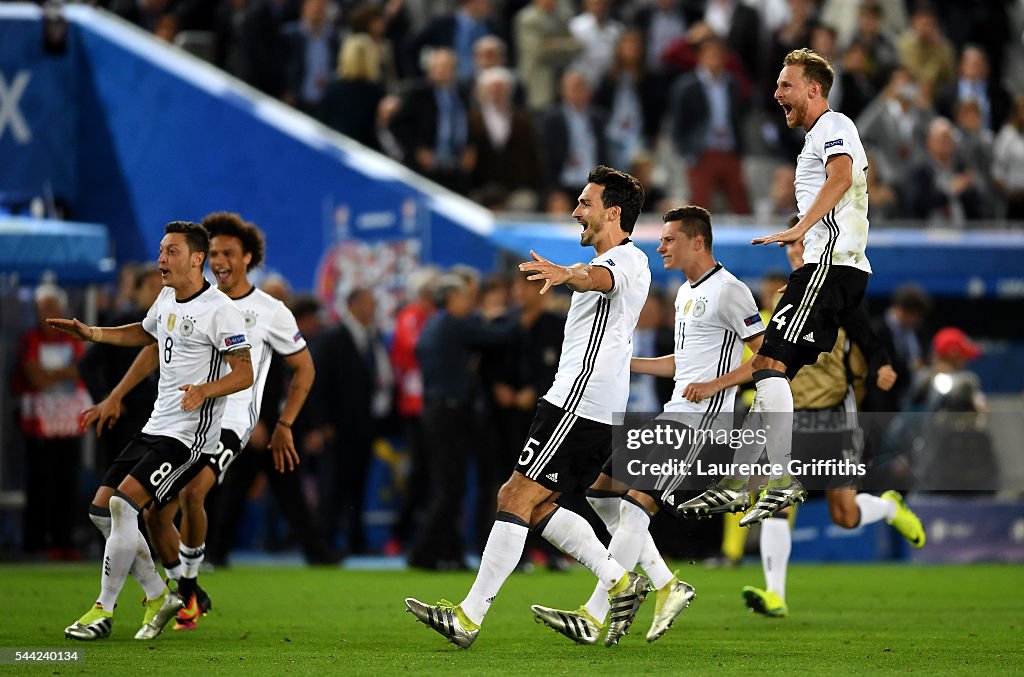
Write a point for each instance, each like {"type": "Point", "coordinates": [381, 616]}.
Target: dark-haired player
{"type": "Point", "coordinates": [236, 247]}
{"type": "Point", "coordinates": [196, 329]}
{"type": "Point", "coordinates": [571, 433]}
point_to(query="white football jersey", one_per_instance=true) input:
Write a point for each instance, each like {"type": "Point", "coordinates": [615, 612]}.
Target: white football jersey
{"type": "Point", "coordinates": [270, 328]}
{"type": "Point", "coordinates": [841, 237]}
{"type": "Point", "coordinates": [192, 337]}
{"type": "Point", "coordinates": [714, 316]}
{"type": "Point", "coordinates": [593, 373]}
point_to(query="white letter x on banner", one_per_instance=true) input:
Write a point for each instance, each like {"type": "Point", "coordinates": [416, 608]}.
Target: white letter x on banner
{"type": "Point", "coordinates": [10, 114]}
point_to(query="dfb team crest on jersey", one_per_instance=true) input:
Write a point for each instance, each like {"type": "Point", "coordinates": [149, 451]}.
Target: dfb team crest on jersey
{"type": "Point", "coordinates": [250, 319]}
{"type": "Point", "coordinates": [187, 326]}
{"type": "Point", "coordinates": [700, 307]}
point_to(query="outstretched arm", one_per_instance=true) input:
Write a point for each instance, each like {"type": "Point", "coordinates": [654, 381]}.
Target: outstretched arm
{"type": "Point", "coordinates": [697, 392]}
{"type": "Point", "coordinates": [239, 378]}
{"type": "Point", "coordinates": [838, 179]}
{"type": "Point", "coordinates": [106, 412]}
{"type": "Point", "coordinates": [126, 335]}
{"type": "Point", "coordinates": [664, 366]}
{"type": "Point", "coordinates": [282, 445]}
{"type": "Point", "coordinates": [578, 277]}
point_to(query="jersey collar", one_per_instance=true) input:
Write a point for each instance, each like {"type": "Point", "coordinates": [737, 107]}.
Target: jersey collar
{"type": "Point", "coordinates": [206, 285]}
{"type": "Point", "coordinates": [248, 293]}
{"type": "Point", "coordinates": [718, 267]}
{"type": "Point", "coordinates": [827, 110]}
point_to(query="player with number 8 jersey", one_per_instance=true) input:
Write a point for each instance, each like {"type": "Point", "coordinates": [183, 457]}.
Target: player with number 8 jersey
{"type": "Point", "coordinates": [203, 356]}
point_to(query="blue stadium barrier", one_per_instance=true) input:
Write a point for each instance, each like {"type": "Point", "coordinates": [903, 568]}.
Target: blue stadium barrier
{"type": "Point", "coordinates": [30, 248]}
{"type": "Point", "coordinates": [133, 133]}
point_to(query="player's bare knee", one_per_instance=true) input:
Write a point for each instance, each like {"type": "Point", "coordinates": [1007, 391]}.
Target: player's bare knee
{"type": "Point", "coordinates": [192, 498]}
{"type": "Point", "coordinates": [520, 495]}
{"type": "Point", "coordinates": [845, 516]}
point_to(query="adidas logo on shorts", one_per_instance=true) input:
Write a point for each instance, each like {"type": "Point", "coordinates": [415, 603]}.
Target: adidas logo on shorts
{"type": "Point", "coordinates": [552, 476]}
{"type": "Point", "coordinates": [809, 336]}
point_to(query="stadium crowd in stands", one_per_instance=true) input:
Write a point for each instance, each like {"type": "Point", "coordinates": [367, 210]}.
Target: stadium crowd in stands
{"type": "Point", "coordinates": [510, 101]}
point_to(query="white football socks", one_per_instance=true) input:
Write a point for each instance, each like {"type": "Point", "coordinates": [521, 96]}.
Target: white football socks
{"type": "Point", "coordinates": [776, 544]}
{"type": "Point", "coordinates": [500, 557]}
{"type": "Point", "coordinates": [874, 509]}
{"type": "Point", "coordinates": [143, 567]}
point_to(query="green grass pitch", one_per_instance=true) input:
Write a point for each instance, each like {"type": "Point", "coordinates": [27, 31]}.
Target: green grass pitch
{"type": "Point", "coordinates": [843, 620]}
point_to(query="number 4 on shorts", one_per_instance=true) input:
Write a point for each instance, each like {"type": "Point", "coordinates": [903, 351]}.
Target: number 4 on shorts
{"type": "Point", "coordinates": [779, 317]}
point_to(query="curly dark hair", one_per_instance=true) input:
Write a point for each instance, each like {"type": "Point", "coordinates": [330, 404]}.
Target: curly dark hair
{"type": "Point", "coordinates": [196, 236]}
{"type": "Point", "coordinates": [693, 221]}
{"type": "Point", "coordinates": [620, 190]}
{"type": "Point", "coordinates": [251, 237]}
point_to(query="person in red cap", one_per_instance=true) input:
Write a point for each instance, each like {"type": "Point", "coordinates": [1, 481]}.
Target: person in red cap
{"type": "Point", "coordinates": [953, 346]}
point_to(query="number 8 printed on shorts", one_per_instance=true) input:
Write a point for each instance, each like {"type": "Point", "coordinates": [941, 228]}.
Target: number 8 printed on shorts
{"type": "Point", "coordinates": [160, 473]}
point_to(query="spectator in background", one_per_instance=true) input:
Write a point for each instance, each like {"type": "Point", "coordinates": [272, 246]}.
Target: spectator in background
{"type": "Point", "coordinates": [351, 101]}
{"type": "Point", "coordinates": [103, 365]}
{"type": "Point", "coordinates": [632, 100]}
{"type": "Point", "coordinates": [545, 46]}
{"type": "Point", "coordinates": [781, 198]}
{"type": "Point", "coordinates": [260, 52]}
{"type": "Point", "coordinates": [899, 331]}
{"type": "Point", "coordinates": [431, 125]}
{"type": "Point", "coordinates": [641, 167]}
{"type": "Point", "coordinates": [409, 404]}
{"type": "Point", "coordinates": [508, 153]}
{"type": "Point", "coordinates": [446, 346]}
{"type": "Point", "coordinates": [926, 52]}
{"type": "Point", "coordinates": [855, 90]}
{"type": "Point", "coordinates": [975, 143]}
{"type": "Point", "coordinates": [51, 399]}
{"type": "Point", "coordinates": [226, 504]}
{"type": "Point", "coordinates": [458, 32]}
{"type": "Point", "coordinates": [312, 56]}
{"type": "Point", "coordinates": [848, 18]}
{"type": "Point", "coordinates": [572, 132]}
{"type": "Point", "coordinates": [794, 34]}
{"type": "Point", "coordinates": [1008, 163]}
{"type": "Point", "coordinates": [595, 31]}
{"type": "Point", "coordinates": [353, 385]}
{"type": "Point", "coordinates": [973, 84]}
{"type": "Point", "coordinates": [375, 22]}
{"type": "Point", "coordinates": [738, 24]}
{"type": "Point", "coordinates": [386, 139]}
{"type": "Point", "coordinates": [882, 187]}
{"type": "Point", "coordinates": [706, 116]}
{"type": "Point", "coordinates": [489, 52]}
{"type": "Point", "coordinates": [942, 189]}
{"type": "Point", "coordinates": [661, 23]}
{"type": "Point", "coordinates": [894, 125]}
{"type": "Point", "coordinates": [878, 41]}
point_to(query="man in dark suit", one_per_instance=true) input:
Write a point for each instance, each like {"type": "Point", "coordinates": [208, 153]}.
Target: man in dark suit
{"type": "Point", "coordinates": [974, 83]}
{"type": "Point", "coordinates": [431, 125]}
{"type": "Point", "coordinates": [706, 115]}
{"type": "Point", "coordinates": [353, 396]}
{"type": "Point", "coordinates": [312, 55]}
{"type": "Point", "coordinates": [572, 132]}
{"type": "Point", "coordinates": [457, 31]}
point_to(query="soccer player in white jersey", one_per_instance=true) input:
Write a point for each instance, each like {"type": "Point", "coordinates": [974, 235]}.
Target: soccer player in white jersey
{"type": "Point", "coordinates": [571, 433]}
{"type": "Point", "coordinates": [832, 200]}
{"type": "Point", "coordinates": [715, 315]}
{"type": "Point", "coordinates": [197, 329]}
{"type": "Point", "coordinates": [236, 247]}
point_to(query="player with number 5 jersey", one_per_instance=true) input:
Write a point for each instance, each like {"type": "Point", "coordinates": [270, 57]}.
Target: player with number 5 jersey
{"type": "Point", "coordinates": [204, 357]}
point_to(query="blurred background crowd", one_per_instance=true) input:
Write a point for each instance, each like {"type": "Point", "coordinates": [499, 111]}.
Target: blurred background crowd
{"type": "Point", "coordinates": [512, 101]}
{"type": "Point", "coordinates": [406, 437]}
